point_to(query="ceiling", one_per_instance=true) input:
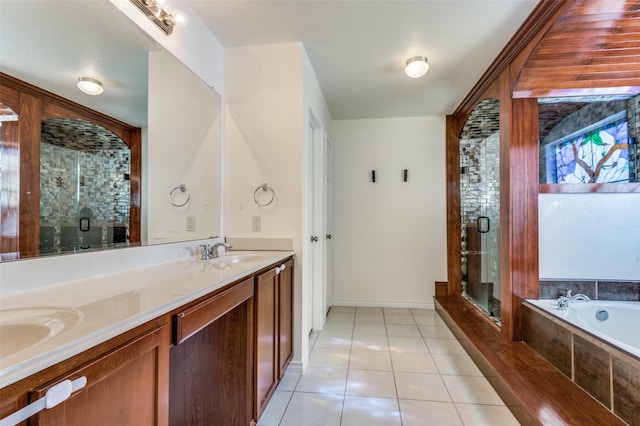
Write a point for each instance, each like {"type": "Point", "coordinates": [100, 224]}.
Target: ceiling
{"type": "Point", "coordinates": [74, 39]}
{"type": "Point", "coordinates": [358, 48]}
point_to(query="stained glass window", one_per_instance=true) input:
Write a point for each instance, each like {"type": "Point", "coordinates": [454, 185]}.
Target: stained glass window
{"type": "Point", "coordinates": [597, 154]}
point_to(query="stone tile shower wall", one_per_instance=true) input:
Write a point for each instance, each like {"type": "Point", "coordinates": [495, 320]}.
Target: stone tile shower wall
{"type": "Point", "coordinates": [71, 180]}
{"type": "Point", "coordinates": [589, 114]}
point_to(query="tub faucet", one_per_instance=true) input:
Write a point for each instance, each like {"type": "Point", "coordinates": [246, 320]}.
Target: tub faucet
{"type": "Point", "coordinates": [565, 301]}
{"type": "Point", "coordinates": [211, 251]}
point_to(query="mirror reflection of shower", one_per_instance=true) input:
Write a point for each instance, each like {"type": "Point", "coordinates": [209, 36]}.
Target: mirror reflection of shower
{"type": "Point", "coordinates": [84, 187]}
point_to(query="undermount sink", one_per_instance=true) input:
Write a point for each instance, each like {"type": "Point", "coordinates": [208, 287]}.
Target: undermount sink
{"type": "Point", "coordinates": [234, 258]}
{"type": "Point", "coordinates": [21, 329]}
{"type": "Point", "coordinates": [227, 260]}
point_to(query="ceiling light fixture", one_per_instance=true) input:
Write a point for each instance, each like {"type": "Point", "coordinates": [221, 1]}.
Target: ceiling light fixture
{"type": "Point", "coordinates": [162, 17]}
{"type": "Point", "coordinates": [416, 67]}
{"type": "Point", "coordinates": [90, 86]}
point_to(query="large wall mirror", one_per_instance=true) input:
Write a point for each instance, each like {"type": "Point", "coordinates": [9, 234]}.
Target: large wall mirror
{"type": "Point", "coordinates": [84, 166]}
{"type": "Point", "coordinates": [589, 144]}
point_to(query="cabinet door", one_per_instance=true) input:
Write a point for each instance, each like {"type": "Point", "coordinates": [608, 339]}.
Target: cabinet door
{"type": "Point", "coordinates": [211, 371]}
{"type": "Point", "coordinates": [285, 316]}
{"type": "Point", "coordinates": [123, 387]}
{"type": "Point", "coordinates": [266, 356]}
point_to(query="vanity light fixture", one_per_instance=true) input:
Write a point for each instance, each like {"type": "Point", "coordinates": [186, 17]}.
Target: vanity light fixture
{"type": "Point", "coordinates": [162, 17]}
{"type": "Point", "coordinates": [90, 86]}
{"type": "Point", "coordinates": [416, 67]}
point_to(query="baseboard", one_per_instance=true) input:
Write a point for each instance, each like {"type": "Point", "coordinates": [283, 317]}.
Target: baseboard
{"type": "Point", "coordinates": [384, 304]}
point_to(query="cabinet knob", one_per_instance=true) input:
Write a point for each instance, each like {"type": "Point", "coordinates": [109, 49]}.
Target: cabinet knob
{"type": "Point", "coordinates": [283, 267]}
{"type": "Point", "coordinates": [314, 239]}
{"type": "Point", "coordinates": [328, 236]}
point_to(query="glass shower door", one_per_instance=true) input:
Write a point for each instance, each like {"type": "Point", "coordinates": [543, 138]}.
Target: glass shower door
{"type": "Point", "coordinates": [480, 210]}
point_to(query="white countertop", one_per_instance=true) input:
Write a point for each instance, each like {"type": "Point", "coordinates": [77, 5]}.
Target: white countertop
{"type": "Point", "coordinates": [112, 304]}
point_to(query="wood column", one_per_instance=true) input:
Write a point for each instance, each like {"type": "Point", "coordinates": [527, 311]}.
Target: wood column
{"type": "Point", "coordinates": [522, 210]}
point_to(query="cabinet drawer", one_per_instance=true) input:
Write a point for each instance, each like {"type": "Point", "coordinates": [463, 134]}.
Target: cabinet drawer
{"type": "Point", "coordinates": [197, 317]}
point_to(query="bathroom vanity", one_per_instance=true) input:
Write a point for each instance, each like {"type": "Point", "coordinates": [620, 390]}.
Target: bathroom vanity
{"type": "Point", "coordinates": [186, 342]}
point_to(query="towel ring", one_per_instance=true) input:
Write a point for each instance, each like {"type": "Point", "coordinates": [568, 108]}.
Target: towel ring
{"type": "Point", "coordinates": [264, 187]}
{"type": "Point", "coordinates": [181, 188]}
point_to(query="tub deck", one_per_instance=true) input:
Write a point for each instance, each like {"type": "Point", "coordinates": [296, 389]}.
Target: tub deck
{"type": "Point", "coordinates": [536, 392]}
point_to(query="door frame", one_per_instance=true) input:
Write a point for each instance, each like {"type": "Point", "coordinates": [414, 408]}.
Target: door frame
{"type": "Point", "coordinates": [314, 284]}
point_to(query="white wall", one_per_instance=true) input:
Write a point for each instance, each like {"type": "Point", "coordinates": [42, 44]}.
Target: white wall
{"type": "Point", "coordinates": [389, 236]}
{"type": "Point", "coordinates": [268, 92]}
{"type": "Point", "coordinates": [589, 236]}
{"type": "Point", "coordinates": [263, 139]}
{"type": "Point", "coordinates": [183, 148]}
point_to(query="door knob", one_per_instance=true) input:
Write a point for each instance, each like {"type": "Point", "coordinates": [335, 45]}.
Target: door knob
{"type": "Point", "coordinates": [314, 239]}
{"type": "Point", "coordinates": [328, 236]}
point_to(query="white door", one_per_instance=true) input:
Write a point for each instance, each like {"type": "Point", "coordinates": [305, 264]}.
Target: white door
{"type": "Point", "coordinates": [315, 245]}
{"type": "Point", "coordinates": [328, 220]}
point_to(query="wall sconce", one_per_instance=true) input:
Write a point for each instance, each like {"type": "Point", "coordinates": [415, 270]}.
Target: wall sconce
{"type": "Point", "coordinates": [373, 176]}
{"type": "Point", "coordinates": [416, 67]}
{"type": "Point", "coordinates": [90, 86]}
{"type": "Point", "coordinates": [405, 175]}
{"type": "Point", "coordinates": [161, 17]}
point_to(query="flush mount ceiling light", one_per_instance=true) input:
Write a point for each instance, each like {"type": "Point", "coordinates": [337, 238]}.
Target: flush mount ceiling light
{"type": "Point", "coordinates": [90, 86]}
{"type": "Point", "coordinates": [161, 16]}
{"type": "Point", "coordinates": [416, 67]}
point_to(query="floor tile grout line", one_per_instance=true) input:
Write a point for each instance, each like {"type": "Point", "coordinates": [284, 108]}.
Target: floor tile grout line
{"type": "Point", "coordinates": [393, 371]}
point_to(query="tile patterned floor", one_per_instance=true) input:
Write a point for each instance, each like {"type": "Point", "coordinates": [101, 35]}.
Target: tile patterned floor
{"type": "Point", "coordinates": [381, 366]}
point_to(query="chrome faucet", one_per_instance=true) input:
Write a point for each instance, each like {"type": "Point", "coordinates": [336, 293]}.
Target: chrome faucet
{"type": "Point", "coordinates": [565, 301]}
{"type": "Point", "coordinates": [210, 251]}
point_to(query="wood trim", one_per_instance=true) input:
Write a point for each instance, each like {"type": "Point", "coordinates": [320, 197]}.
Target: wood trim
{"type": "Point", "coordinates": [585, 188]}
{"type": "Point", "coordinates": [522, 210]}
{"type": "Point", "coordinates": [193, 319]}
{"type": "Point", "coordinates": [29, 141]}
{"type": "Point", "coordinates": [454, 227]}
{"type": "Point", "coordinates": [540, 19]}
{"type": "Point", "coordinates": [10, 182]}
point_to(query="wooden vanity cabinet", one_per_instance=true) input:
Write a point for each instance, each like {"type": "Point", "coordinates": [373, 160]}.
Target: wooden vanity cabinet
{"type": "Point", "coordinates": [127, 382]}
{"type": "Point", "coordinates": [211, 361]}
{"type": "Point", "coordinates": [274, 330]}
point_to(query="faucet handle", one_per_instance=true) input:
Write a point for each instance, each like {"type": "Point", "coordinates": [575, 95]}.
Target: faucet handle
{"type": "Point", "coordinates": [569, 292]}
{"type": "Point", "coordinates": [206, 251]}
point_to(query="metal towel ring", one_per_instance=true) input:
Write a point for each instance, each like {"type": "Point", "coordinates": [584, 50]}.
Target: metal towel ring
{"type": "Point", "coordinates": [264, 187]}
{"type": "Point", "coordinates": [181, 188]}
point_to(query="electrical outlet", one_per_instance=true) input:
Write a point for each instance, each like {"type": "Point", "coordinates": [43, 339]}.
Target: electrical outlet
{"type": "Point", "coordinates": [191, 223]}
{"type": "Point", "coordinates": [257, 223]}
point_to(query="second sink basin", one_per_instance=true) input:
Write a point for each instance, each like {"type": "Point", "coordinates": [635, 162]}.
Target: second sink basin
{"type": "Point", "coordinates": [23, 328]}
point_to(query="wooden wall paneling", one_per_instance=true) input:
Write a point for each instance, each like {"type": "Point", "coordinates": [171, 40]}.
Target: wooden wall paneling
{"type": "Point", "coordinates": [594, 44]}
{"type": "Point", "coordinates": [506, 305]}
{"type": "Point", "coordinates": [523, 209]}
{"type": "Point", "coordinates": [454, 227]}
{"type": "Point", "coordinates": [10, 166]}
{"type": "Point", "coordinates": [135, 185]}
{"type": "Point", "coordinates": [29, 136]}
